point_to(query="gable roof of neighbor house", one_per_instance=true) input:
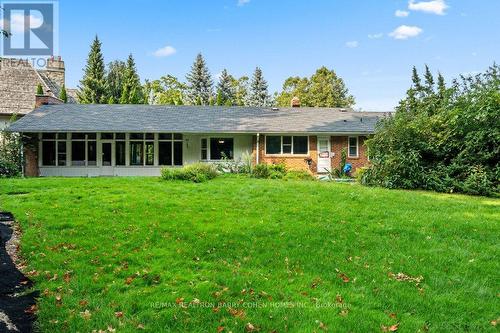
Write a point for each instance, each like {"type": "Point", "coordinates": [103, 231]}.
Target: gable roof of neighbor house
{"type": "Point", "coordinates": [194, 119]}
{"type": "Point", "coordinates": [18, 82]}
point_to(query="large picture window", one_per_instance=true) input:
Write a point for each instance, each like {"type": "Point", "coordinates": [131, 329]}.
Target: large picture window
{"type": "Point", "coordinates": [169, 149]}
{"type": "Point", "coordinates": [221, 147]}
{"type": "Point", "coordinates": [54, 149]}
{"type": "Point", "coordinates": [287, 145]}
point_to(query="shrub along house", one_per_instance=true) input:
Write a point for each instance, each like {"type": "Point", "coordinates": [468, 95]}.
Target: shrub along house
{"type": "Point", "coordinates": [139, 140]}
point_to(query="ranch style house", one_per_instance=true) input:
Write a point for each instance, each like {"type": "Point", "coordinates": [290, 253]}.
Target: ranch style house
{"type": "Point", "coordinates": [139, 140]}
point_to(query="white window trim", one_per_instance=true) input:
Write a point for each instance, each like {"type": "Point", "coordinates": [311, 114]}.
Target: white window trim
{"type": "Point", "coordinates": [281, 154]}
{"type": "Point", "coordinates": [349, 146]}
{"type": "Point", "coordinates": [209, 153]}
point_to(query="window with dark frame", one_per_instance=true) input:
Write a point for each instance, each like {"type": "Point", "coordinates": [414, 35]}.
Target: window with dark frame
{"type": "Point", "coordinates": [353, 146]}
{"type": "Point", "coordinates": [204, 149]}
{"type": "Point", "coordinates": [83, 149]}
{"type": "Point", "coordinates": [287, 145]}
{"type": "Point", "coordinates": [120, 153]}
{"type": "Point", "coordinates": [170, 149]}
{"type": "Point", "coordinates": [221, 147]}
{"type": "Point", "coordinates": [54, 149]}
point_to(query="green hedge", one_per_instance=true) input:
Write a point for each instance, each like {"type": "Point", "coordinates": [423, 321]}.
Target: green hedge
{"type": "Point", "coordinates": [198, 173]}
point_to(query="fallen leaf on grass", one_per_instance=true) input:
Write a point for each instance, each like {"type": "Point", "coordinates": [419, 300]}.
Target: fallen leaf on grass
{"type": "Point", "coordinates": [404, 277]}
{"type": "Point", "coordinates": [220, 329]}
{"type": "Point", "coordinates": [130, 279]}
{"type": "Point", "coordinates": [238, 313]}
{"type": "Point", "coordinates": [344, 277]}
{"type": "Point", "coordinates": [85, 314]}
{"type": "Point", "coordinates": [67, 276]}
{"type": "Point", "coordinates": [83, 303]}
{"type": "Point", "coordinates": [32, 309]}
{"type": "Point", "coordinates": [392, 328]}
{"type": "Point", "coordinates": [344, 313]}
{"type": "Point", "coordinates": [322, 326]}
{"type": "Point", "coordinates": [250, 328]}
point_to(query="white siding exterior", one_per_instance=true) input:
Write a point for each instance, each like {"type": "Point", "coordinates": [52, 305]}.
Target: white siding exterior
{"type": "Point", "coordinates": [191, 154]}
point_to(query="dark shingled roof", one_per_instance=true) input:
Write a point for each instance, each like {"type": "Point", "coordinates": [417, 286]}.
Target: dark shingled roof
{"type": "Point", "coordinates": [194, 119]}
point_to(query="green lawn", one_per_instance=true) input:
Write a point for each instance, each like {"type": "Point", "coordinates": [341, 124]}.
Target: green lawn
{"type": "Point", "coordinates": [293, 256]}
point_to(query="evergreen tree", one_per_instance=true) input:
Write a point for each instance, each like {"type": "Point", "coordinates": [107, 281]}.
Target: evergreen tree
{"type": "Point", "coordinates": [93, 84]}
{"type": "Point", "coordinates": [132, 89]}
{"type": "Point", "coordinates": [259, 95]}
{"type": "Point", "coordinates": [225, 90]}
{"type": "Point", "coordinates": [441, 86]}
{"type": "Point", "coordinates": [417, 84]}
{"type": "Point", "coordinates": [429, 80]}
{"type": "Point", "coordinates": [63, 95]}
{"type": "Point", "coordinates": [39, 89]}
{"type": "Point", "coordinates": [200, 85]}
{"type": "Point", "coordinates": [114, 80]}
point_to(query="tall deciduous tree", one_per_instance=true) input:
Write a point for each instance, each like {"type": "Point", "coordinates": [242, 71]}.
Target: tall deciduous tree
{"type": "Point", "coordinates": [115, 79]}
{"type": "Point", "coordinates": [132, 89]}
{"type": "Point", "coordinates": [323, 89]}
{"type": "Point", "coordinates": [200, 85]}
{"type": "Point", "coordinates": [92, 89]}
{"type": "Point", "coordinates": [258, 95]}
{"type": "Point", "coordinates": [225, 89]}
{"type": "Point", "coordinates": [168, 90]}
{"type": "Point", "coordinates": [241, 87]}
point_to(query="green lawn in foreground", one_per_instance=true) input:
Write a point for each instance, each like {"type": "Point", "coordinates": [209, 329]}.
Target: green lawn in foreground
{"type": "Point", "coordinates": [120, 252]}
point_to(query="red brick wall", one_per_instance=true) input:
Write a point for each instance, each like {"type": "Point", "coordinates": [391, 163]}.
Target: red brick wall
{"type": "Point", "coordinates": [46, 100]}
{"type": "Point", "coordinates": [31, 162]}
{"type": "Point", "coordinates": [299, 162]}
{"type": "Point", "coordinates": [292, 162]}
{"type": "Point", "coordinates": [340, 142]}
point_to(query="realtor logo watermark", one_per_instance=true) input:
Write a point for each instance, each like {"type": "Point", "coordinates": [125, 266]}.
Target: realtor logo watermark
{"type": "Point", "coordinates": [31, 29]}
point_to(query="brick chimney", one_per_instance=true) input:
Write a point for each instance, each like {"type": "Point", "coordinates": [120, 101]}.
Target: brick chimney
{"type": "Point", "coordinates": [55, 70]}
{"type": "Point", "coordinates": [295, 102]}
{"type": "Point", "coordinates": [46, 100]}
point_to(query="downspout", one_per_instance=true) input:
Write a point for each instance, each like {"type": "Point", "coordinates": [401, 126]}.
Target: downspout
{"type": "Point", "coordinates": [258, 150]}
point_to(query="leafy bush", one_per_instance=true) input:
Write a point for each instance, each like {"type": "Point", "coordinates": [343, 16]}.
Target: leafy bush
{"type": "Point", "coordinates": [240, 165]}
{"type": "Point", "coordinates": [269, 171]}
{"type": "Point", "coordinates": [298, 175]}
{"type": "Point", "coordinates": [444, 139]}
{"type": "Point", "coordinates": [10, 154]}
{"type": "Point", "coordinates": [198, 173]}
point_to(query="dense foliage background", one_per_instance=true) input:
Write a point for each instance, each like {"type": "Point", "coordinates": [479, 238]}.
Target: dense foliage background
{"type": "Point", "coordinates": [445, 139]}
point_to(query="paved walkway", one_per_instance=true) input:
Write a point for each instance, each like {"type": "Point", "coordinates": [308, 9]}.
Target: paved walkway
{"type": "Point", "coordinates": [15, 299]}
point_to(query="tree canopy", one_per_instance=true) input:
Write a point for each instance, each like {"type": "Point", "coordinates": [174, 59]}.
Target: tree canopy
{"type": "Point", "coordinates": [441, 138]}
{"type": "Point", "coordinates": [323, 89]}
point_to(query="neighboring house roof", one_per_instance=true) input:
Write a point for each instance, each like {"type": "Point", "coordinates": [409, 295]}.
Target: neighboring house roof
{"type": "Point", "coordinates": [18, 83]}
{"type": "Point", "coordinates": [194, 119]}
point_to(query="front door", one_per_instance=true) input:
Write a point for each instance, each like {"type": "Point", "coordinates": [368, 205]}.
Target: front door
{"type": "Point", "coordinates": [324, 160]}
{"type": "Point", "coordinates": [107, 164]}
